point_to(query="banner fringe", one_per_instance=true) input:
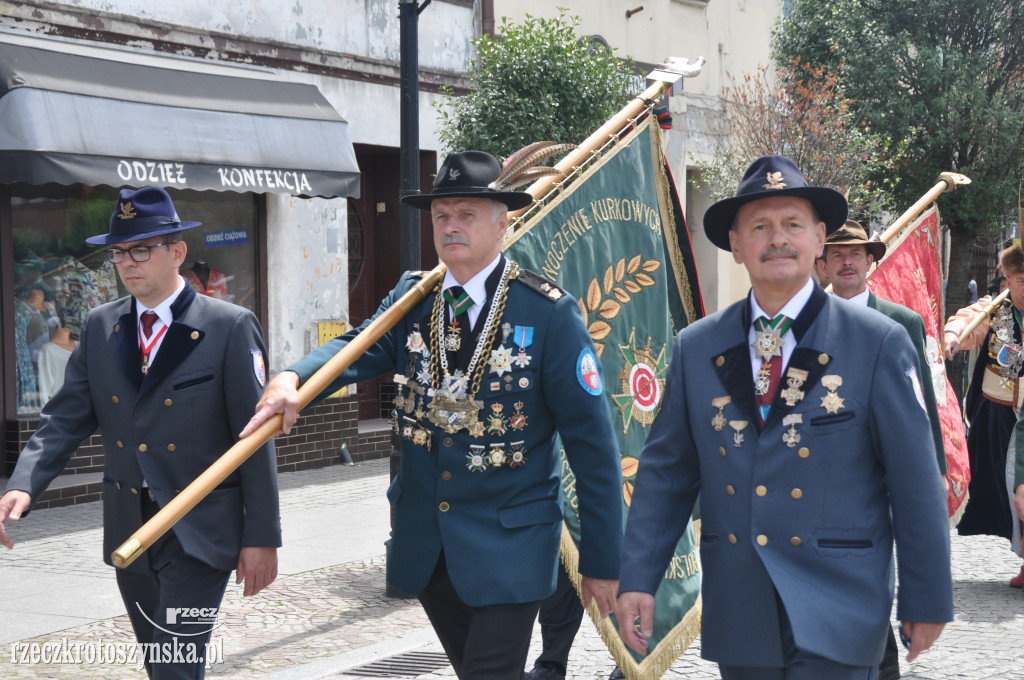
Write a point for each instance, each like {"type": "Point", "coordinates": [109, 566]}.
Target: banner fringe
{"type": "Point", "coordinates": [661, 658]}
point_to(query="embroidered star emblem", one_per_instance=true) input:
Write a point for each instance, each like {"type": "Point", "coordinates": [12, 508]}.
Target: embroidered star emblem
{"type": "Point", "coordinates": [501, 360]}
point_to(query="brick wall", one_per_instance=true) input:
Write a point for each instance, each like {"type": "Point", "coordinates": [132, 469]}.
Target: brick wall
{"type": "Point", "coordinates": [315, 441]}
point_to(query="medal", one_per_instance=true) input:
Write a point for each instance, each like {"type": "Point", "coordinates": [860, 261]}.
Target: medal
{"type": "Point", "coordinates": [501, 360]}
{"type": "Point", "coordinates": [768, 336]}
{"type": "Point", "coordinates": [517, 455]}
{"type": "Point", "coordinates": [763, 380]}
{"type": "Point", "coordinates": [791, 437]}
{"type": "Point", "coordinates": [475, 459]}
{"type": "Point", "coordinates": [719, 422]}
{"type": "Point", "coordinates": [476, 430]}
{"type": "Point", "coordinates": [497, 455]}
{"type": "Point", "coordinates": [795, 378]}
{"type": "Point", "coordinates": [517, 420]}
{"type": "Point", "coordinates": [452, 339]}
{"type": "Point", "coordinates": [414, 343]}
{"type": "Point", "coordinates": [737, 437]}
{"type": "Point", "coordinates": [832, 402]}
{"type": "Point", "coordinates": [495, 421]}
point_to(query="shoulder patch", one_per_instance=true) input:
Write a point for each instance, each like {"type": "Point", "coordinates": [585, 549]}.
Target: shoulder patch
{"type": "Point", "coordinates": [540, 285]}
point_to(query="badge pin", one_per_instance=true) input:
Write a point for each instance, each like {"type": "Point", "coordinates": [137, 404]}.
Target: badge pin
{"type": "Point", "coordinates": [791, 437]}
{"type": "Point", "coordinates": [414, 343]}
{"type": "Point", "coordinates": [496, 421]}
{"type": "Point", "coordinates": [768, 344]}
{"type": "Point", "coordinates": [737, 437]}
{"type": "Point", "coordinates": [452, 340]}
{"type": "Point", "coordinates": [719, 422]}
{"type": "Point", "coordinates": [517, 455]}
{"type": "Point", "coordinates": [795, 378]}
{"type": "Point", "coordinates": [517, 420]}
{"type": "Point", "coordinates": [476, 461]}
{"type": "Point", "coordinates": [832, 402]}
{"type": "Point", "coordinates": [506, 330]}
{"type": "Point", "coordinates": [501, 360]}
{"type": "Point", "coordinates": [497, 455]}
{"type": "Point", "coordinates": [763, 380]}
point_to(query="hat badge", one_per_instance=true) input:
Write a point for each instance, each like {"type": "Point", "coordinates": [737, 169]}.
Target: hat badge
{"type": "Point", "coordinates": [774, 181]}
{"type": "Point", "coordinates": [127, 211]}
{"type": "Point", "coordinates": [453, 174]}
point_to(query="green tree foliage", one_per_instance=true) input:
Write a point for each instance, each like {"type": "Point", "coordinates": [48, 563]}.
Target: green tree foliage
{"type": "Point", "coordinates": [947, 76]}
{"type": "Point", "coordinates": [534, 81]}
{"type": "Point", "coordinates": [799, 112]}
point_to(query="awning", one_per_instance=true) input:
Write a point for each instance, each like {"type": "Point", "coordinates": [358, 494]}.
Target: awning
{"type": "Point", "coordinates": [66, 118]}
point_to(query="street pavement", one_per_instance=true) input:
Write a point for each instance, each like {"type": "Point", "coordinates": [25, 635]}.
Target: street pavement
{"type": "Point", "coordinates": [328, 616]}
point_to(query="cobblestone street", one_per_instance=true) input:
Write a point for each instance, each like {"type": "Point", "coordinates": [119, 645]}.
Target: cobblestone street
{"type": "Point", "coordinates": [328, 613]}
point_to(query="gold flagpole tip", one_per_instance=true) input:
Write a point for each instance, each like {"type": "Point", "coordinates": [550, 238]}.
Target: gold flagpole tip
{"type": "Point", "coordinates": [127, 553]}
{"type": "Point", "coordinates": [954, 179]}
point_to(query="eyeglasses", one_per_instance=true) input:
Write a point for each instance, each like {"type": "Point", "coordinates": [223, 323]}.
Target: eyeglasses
{"type": "Point", "coordinates": [137, 253]}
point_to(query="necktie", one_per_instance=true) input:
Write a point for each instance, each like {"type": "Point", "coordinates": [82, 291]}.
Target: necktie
{"type": "Point", "coordinates": [148, 319]}
{"type": "Point", "coordinates": [458, 299]}
{"type": "Point", "coordinates": [769, 347]}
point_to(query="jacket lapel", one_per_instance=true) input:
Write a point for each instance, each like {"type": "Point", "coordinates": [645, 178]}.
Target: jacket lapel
{"type": "Point", "coordinates": [126, 345]}
{"type": "Point", "coordinates": [733, 365]}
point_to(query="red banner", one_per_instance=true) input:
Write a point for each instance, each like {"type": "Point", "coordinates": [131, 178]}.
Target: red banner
{"type": "Point", "coordinates": [909, 275]}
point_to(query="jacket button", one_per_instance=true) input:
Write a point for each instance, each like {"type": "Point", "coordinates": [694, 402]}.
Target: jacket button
{"type": "Point", "coordinates": [117, 328]}
{"type": "Point", "coordinates": [443, 507]}
{"type": "Point", "coordinates": [795, 541]}
{"type": "Point", "coordinates": [135, 491]}
{"type": "Point", "coordinates": [114, 399]}
{"type": "Point", "coordinates": [823, 359]}
{"type": "Point", "coordinates": [719, 361]}
{"type": "Point", "coordinates": [803, 452]}
{"type": "Point", "coordinates": [195, 335]}
{"type": "Point", "coordinates": [168, 402]}
{"type": "Point", "coordinates": [762, 540]}
{"type": "Point", "coordinates": [761, 490]}
{"type": "Point", "coordinates": [721, 450]}
{"type": "Point", "coordinates": [732, 538]}
{"type": "Point", "coordinates": [171, 447]}
{"type": "Point", "coordinates": [143, 448]}
{"type": "Point", "coordinates": [796, 493]}
{"type": "Point", "coordinates": [446, 475]}
{"type": "Point", "coordinates": [447, 441]}
{"type": "Point", "coordinates": [729, 490]}
{"type": "Point", "coordinates": [119, 486]}
{"type": "Point", "coordinates": [120, 444]}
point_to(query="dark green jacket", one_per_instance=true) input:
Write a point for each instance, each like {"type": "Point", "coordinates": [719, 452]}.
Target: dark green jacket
{"type": "Point", "coordinates": [914, 324]}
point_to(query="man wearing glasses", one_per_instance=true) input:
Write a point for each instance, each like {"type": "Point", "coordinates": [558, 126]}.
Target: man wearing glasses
{"type": "Point", "coordinates": [170, 378]}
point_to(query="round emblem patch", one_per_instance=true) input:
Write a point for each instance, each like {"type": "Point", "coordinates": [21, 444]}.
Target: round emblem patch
{"type": "Point", "coordinates": [587, 371]}
{"type": "Point", "coordinates": [644, 387]}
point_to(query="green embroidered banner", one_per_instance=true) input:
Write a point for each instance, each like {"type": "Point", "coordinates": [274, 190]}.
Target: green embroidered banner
{"type": "Point", "coordinates": [616, 240]}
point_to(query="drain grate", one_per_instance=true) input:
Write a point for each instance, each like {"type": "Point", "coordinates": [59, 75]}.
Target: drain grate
{"type": "Point", "coordinates": [407, 665]}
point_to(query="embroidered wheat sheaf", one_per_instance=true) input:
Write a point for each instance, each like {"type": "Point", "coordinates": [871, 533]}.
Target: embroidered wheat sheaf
{"type": "Point", "coordinates": [605, 297]}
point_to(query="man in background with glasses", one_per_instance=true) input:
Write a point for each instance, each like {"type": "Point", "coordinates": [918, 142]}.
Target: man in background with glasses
{"type": "Point", "coordinates": [154, 372]}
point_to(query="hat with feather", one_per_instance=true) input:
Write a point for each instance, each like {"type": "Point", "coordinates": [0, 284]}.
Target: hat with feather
{"type": "Point", "coordinates": [477, 174]}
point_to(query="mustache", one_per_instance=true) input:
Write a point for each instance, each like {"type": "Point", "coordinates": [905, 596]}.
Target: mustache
{"type": "Point", "coordinates": [785, 251]}
{"type": "Point", "coordinates": [847, 270]}
{"type": "Point", "coordinates": [453, 238]}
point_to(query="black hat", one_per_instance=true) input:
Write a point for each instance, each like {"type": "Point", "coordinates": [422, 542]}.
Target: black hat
{"type": "Point", "coordinates": [469, 174]}
{"type": "Point", "coordinates": [140, 214]}
{"type": "Point", "coordinates": [773, 176]}
{"type": "Point", "coordinates": [852, 233]}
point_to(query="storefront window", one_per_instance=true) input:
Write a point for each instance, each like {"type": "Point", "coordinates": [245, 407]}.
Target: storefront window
{"type": "Point", "coordinates": [58, 277]}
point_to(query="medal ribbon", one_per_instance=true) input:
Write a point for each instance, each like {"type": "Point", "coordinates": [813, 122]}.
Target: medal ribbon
{"type": "Point", "coordinates": [772, 368]}
{"type": "Point", "coordinates": [146, 349]}
{"type": "Point", "coordinates": [459, 299]}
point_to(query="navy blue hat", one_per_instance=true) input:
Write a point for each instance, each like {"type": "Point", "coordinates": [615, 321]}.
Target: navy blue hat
{"type": "Point", "coordinates": [773, 176]}
{"type": "Point", "coordinates": [140, 214]}
{"type": "Point", "coordinates": [469, 174]}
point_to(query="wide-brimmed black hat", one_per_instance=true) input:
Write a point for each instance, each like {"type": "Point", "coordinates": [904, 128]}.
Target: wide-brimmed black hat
{"type": "Point", "coordinates": [852, 233]}
{"type": "Point", "coordinates": [140, 214]}
{"type": "Point", "coordinates": [469, 174]}
{"type": "Point", "coordinates": [773, 176]}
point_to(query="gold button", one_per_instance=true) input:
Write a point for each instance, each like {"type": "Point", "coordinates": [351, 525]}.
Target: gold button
{"type": "Point", "coordinates": [729, 490]}
{"type": "Point", "coordinates": [762, 540]}
{"type": "Point", "coordinates": [796, 493]}
{"type": "Point", "coordinates": [195, 335]}
{"type": "Point", "coordinates": [135, 491]}
{"type": "Point", "coordinates": [760, 490]}
{"type": "Point", "coordinates": [447, 441]}
{"type": "Point", "coordinates": [117, 328]}
{"type": "Point", "coordinates": [823, 359]}
{"type": "Point", "coordinates": [168, 402]}
{"type": "Point", "coordinates": [795, 541]}
{"type": "Point", "coordinates": [719, 360]}
{"type": "Point", "coordinates": [120, 444]}
{"type": "Point", "coordinates": [114, 399]}
{"type": "Point", "coordinates": [171, 447]}
{"type": "Point", "coordinates": [803, 452]}
{"type": "Point", "coordinates": [721, 450]}
{"type": "Point", "coordinates": [446, 475]}
{"type": "Point", "coordinates": [508, 388]}
{"type": "Point", "coordinates": [732, 538]}
{"type": "Point", "coordinates": [444, 506]}
{"type": "Point", "coordinates": [143, 447]}
{"type": "Point", "coordinates": [119, 486]}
